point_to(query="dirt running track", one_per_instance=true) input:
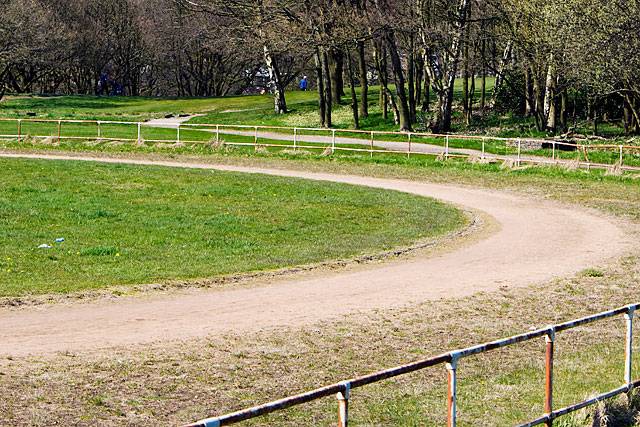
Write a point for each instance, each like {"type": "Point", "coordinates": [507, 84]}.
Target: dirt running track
{"type": "Point", "coordinates": [536, 241]}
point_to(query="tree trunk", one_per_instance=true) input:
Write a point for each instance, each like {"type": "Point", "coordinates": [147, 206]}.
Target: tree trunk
{"type": "Point", "coordinates": [336, 66]}
{"type": "Point", "coordinates": [419, 79]}
{"type": "Point", "coordinates": [539, 107]}
{"type": "Point", "coordinates": [528, 95]}
{"type": "Point", "coordinates": [364, 82]}
{"type": "Point", "coordinates": [381, 65]}
{"type": "Point", "coordinates": [275, 81]}
{"type": "Point", "coordinates": [483, 81]}
{"type": "Point", "coordinates": [470, 96]}
{"type": "Point", "coordinates": [550, 97]}
{"type": "Point", "coordinates": [443, 122]}
{"type": "Point", "coordinates": [634, 115]}
{"type": "Point", "coordinates": [564, 113]}
{"type": "Point", "coordinates": [404, 115]}
{"type": "Point", "coordinates": [352, 86]}
{"type": "Point", "coordinates": [465, 83]}
{"type": "Point", "coordinates": [320, 85]}
{"type": "Point", "coordinates": [502, 66]}
{"type": "Point", "coordinates": [426, 100]}
{"type": "Point", "coordinates": [627, 118]}
{"type": "Point", "coordinates": [328, 98]}
{"type": "Point", "coordinates": [411, 66]}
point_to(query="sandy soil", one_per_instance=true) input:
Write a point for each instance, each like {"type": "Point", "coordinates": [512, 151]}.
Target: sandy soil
{"type": "Point", "coordinates": [536, 241]}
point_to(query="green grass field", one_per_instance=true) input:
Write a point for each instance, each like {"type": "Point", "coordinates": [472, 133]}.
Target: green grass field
{"type": "Point", "coordinates": [137, 225]}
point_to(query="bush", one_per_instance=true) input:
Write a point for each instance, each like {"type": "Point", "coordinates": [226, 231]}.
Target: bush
{"type": "Point", "coordinates": [510, 95]}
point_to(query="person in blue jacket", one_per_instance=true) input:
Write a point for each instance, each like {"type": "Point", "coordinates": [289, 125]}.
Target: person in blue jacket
{"type": "Point", "coordinates": [304, 84]}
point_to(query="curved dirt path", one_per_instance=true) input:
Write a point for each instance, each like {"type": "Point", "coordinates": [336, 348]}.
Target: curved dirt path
{"type": "Point", "coordinates": [536, 241]}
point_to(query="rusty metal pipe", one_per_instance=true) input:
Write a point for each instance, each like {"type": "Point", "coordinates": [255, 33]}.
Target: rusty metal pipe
{"type": "Point", "coordinates": [548, 380]}
{"type": "Point", "coordinates": [628, 353]}
{"type": "Point", "coordinates": [343, 404]}
{"type": "Point", "coordinates": [451, 359]}
{"type": "Point", "coordinates": [452, 391]}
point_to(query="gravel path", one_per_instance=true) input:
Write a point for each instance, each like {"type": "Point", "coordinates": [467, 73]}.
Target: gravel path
{"type": "Point", "coordinates": [535, 241]}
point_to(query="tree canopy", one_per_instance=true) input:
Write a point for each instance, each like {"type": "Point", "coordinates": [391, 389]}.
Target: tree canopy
{"type": "Point", "coordinates": [555, 61]}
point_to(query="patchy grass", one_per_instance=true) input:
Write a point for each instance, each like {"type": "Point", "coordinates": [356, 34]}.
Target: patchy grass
{"type": "Point", "coordinates": [174, 384]}
{"type": "Point", "coordinates": [133, 108]}
{"type": "Point", "coordinates": [136, 225]}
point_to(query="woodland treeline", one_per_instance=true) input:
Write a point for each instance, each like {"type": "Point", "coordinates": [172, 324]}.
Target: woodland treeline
{"type": "Point", "coordinates": [556, 61]}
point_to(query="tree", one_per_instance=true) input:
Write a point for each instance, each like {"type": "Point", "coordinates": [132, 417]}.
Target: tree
{"type": "Point", "coordinates": [442, 28]}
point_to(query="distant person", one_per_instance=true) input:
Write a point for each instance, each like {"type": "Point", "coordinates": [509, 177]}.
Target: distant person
{"type": "Point", "coordinates": [103, 83]}
{"type": "Point", "coordinates": [304, 84]}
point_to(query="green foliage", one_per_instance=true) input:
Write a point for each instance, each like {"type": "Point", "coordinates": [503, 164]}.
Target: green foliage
{"type": "Point", "coordinates": [509, 97]}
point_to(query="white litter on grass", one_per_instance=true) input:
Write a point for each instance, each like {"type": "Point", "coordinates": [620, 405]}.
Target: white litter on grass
{"type": "Point", "coordinates": [44, 246]}
{"type": "Point", "coordinates": [60, 240]}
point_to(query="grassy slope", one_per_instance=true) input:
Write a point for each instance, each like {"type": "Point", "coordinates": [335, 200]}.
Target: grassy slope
{"type": "Point", "coordinates": [258, 110]}
{"type": "Point", "coordinates": [254, 109]}
{"type": "Point", "coordinates": [136, 225]}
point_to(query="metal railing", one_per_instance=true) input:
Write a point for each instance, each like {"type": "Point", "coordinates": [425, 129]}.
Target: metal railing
{"type": "Point", "coordinates": [451, 360]}
{"type": "Point", "coordinates": [406, 143]}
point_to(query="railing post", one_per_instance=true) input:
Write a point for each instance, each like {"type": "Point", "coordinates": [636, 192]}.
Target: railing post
{"type": "Point", "coordinates": [621, 154]}
{"type": "Point", "coordinates": [19, 130]}
{"type": "Point", "coordinates": [548, 383]}
{"type": "Point", "coordinates": [446, 147]}
{"type": "Point", "coordinates": [59, 130]}
{"type": "Point", "coordinates": [217, 134]}
{"type": "Point", "coordinates": [483, 148]}
{"type": "Point", "coordinates": [343, 404]}
{"type": "Point", "coordinates": [409, 152]}
{"type": "Point", "coordinates": [99, 130]}
{"type": "Point", "coordinates": [139, 133]}
{"type": "Point", "coordinates": [628, 353]}
{"type": "Point", "coordinates": [295, 139]}
{"type": "Point", "coordinates": [553, 151]}
{"type": "Point", "coordinates": [452, 391]}
{"type": "Point", "coordinates": [178, 134]}
{"type": "Point", "coordinates": [255, 138]}
{"type": "Point", "coordinates": [333, 140]}
{"type": "Point", "coordinates": [519, 150]}
{"type": "Point", "coordinates": [371, 145]}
